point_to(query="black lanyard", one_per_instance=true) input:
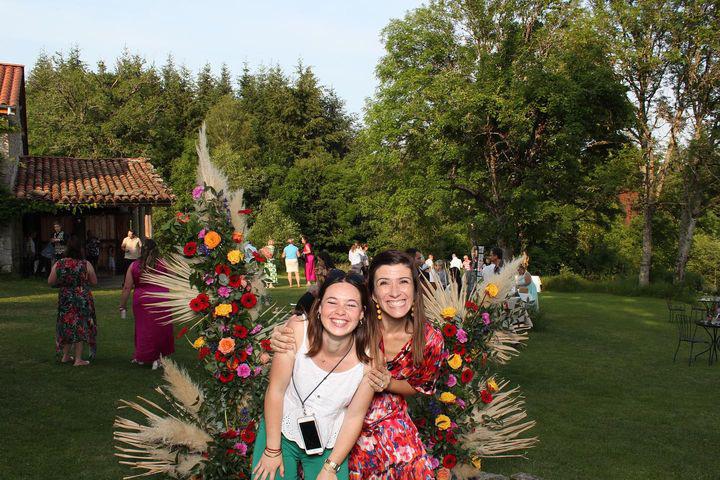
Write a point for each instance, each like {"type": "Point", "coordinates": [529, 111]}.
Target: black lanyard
{"type": "Point", "coordinates": [302, 402]}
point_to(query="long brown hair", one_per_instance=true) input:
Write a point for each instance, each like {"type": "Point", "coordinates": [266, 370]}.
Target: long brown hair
{"type": "Point", "coordinates": [365, 334]}
{"type": "Point", "coordinates": [150, 255]}
{"type": "Point", "coordinates": [416, 316]}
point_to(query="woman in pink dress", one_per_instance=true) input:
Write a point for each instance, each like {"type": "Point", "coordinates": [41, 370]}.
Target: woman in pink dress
{"type": "Point", "coordinates": [153, 339]}
{"type": "Point", "coordinates": [309, 260]}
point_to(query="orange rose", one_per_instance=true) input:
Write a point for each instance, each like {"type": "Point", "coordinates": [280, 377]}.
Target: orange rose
{"type": "Point", "coordinates": [212, 239]}
{"type": "Point", "coordinates": [226, 345]}
{"type": "Point", "coordinates": [237, 237]}
{"type": "Point", "coordinates": [443, 474]}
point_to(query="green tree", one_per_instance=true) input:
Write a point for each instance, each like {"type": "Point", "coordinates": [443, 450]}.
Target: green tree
{"type": "Point", "coordinates": [272, 223]}
{"type": "Point", "coordinates": [495, 116]}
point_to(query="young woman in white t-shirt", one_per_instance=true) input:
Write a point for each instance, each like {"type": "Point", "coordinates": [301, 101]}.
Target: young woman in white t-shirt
{"type": "Point", "coordinates": [324, 380]}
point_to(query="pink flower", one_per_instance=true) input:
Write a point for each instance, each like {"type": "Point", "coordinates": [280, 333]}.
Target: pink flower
{"type": "Point", "coordinates": [201, 233]}
{"type": "Point", "coordinates": [197, 192]}
{"type": "Point", "coordinates": [486, 318]}
{"type": "Point", "coordinates": [434, 462]}
{"type": "Point", "coordinates": [243, 370]}
{"type": "Point", "coordinates": [224, 291]}
{"type": "Point", "coordinates": [451, 381]}
{"type": "Point", "coordinates": [257, 371]}
{"type": "Point", "coordinates": [256, 329]}
{"type": "Point", "coordinates": [460, 402]}
{"type": "Point", "coordinates": [209, 279]}
{"type": "Point", "coordinates": [461, 335]}
{"type": "Point", "coordinates": [241, 448]}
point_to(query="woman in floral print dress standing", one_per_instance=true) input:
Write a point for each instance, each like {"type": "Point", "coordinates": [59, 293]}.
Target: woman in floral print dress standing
{"type": "Point", "coordinates": [76, 323]}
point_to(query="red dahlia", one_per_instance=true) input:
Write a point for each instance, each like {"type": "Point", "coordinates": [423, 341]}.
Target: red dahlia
{"type": "Point", "coordinates": [459, 349]}
{"type": "Point", "coordinates": [248, 300]}
{"type": "Point", "coordinates": [486, 396]}
{"type": "Point", "coordinates": [248, 436]}
{"type": "Point", "coordinates": [235, 308]}
{"type": "Point", "coordinates": [449, 330]}
{"type": "Point", "coordinates": [265, 344]}
{"type": "Point", "coordinates": [449, 461]}
{"type": "Point", "coordinates": [471, 306]}
{"type": "Point", "coordinates": [190, 249]}
{"type": "Point", "coordinates": [242, 356]}
{"type": "Point", "coordinates": [466, 375]}
{"type": "Point", "coordinates": [222, 269]}
{"type": "Point", "coordinates": [196, 305]}
{"type": "Point", "coordinates": [235, 280]}
{"type": "Point", "coordinates": [240, 331]}
{"type": "Point", "coordinates": [203, 352]}
{"type": "Point", "coordinates": [226, 377]}
{"type": "Point", "coordinates": [258, 258]}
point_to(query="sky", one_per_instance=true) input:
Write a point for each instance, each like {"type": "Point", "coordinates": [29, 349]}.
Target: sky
{"type": "Point", "coordinates": [339, 39]}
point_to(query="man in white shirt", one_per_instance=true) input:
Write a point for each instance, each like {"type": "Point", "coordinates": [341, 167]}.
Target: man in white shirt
{"type": "Point", "coordinates": [496, 263]}
{"type": "Point", "coordinates": [456, 262]}
{"type": "Point", "coordinates": [132, 246]}
{"type": "Point", "coordinates": [355, 256]}
{"type": "Point", "coordinates": [429, 261]}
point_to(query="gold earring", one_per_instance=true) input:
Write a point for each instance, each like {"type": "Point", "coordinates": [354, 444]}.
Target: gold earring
{"type": "Point", "coordinates": [379, 312]}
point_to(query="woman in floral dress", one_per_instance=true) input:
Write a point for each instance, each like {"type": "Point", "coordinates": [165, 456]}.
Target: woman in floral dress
{"type": "Point", "coordinates": [389, 446]}
{"type": "Point", "coordinates": [76, 323]}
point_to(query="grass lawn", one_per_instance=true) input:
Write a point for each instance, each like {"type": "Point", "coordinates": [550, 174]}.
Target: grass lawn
{"type": "Point", "coordinates": [597, 374]}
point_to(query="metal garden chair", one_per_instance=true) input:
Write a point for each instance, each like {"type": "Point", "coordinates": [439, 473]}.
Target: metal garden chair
{"type": "Point", "coordinates": [686, 333]}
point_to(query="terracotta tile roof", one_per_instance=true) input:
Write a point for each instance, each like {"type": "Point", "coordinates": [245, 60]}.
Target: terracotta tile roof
{"type": "Point", "coordinates": [106, 181]}
{"type": "Point", "coordinates": [11, 79]}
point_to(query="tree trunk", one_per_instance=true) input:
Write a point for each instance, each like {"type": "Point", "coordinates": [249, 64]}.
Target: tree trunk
{"type": "Point", "coordinates": [687, 229]}
{"type": "Point", "coordinates": [647, 245]}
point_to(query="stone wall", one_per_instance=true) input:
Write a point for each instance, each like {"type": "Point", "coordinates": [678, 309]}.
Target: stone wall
{"type": "Point", "coordinates": [10, 234]}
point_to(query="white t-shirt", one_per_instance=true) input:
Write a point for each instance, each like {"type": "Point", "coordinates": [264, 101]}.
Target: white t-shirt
{"type": "Point", "coordinates": [456, 263]}
{"type": "Point", "coordinates": [132, 248]}
{"type": "Point", "coordinates": [489, 270]}
{"type": "Point", "coordinates": [355, 257]}
{"type": "Point", "coordinates": [429, 263]}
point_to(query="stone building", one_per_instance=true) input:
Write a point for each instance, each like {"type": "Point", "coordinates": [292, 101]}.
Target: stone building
{"type": "Point", "coordinates": [106, 196]}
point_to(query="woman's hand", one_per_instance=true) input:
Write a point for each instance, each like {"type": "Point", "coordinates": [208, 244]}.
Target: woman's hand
{"type": "Point", "coordinates": [379, 378]}
{"type": "Point", "coordinates": [267, 466]}
{"type": "Point", "coordinates": [326, 474]}
{"type": "Point", "coordinates": [282, 339]}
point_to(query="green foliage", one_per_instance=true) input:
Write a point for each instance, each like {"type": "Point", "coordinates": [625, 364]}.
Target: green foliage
{"type": "Point", "coordinates": [705, 260]}
{"type": "Point", "coordinates": [499, 122]}
{"type": "Point", "coordinates": [272, 223]}
{"type": "Point", "coordinates": [12, 208]}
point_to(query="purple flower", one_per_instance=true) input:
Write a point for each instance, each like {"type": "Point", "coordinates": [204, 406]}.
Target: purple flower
{"type": "Point", "coordinates": [209, 279]}
{"type": "Point", "coordinates": [241, 448]}
{"type": "Point", "coordinates": [224, 291]}
{"type": "Point", "coordinates": [203, 249]}
{"type": "Point", "coordinates": [460, 402]}
{"type": "Point", "coordinates": [451, 381]}
{"type": "Point", "coordinates": [249, 350]}
{"type": "Point", "coordinates": [434, 463]}
{"type": "Point", "coordinates": [461, 335]}
{"type": "Point", "coordinates": [256, 329]}
{"type": "Point", "coordinates": [197, 192]}
{"type": "Point", "coordinates": [201, 233]}
{"type": "Point", "coordinates": [243, 370]}
{"type": "Point", "coordinates": [486, 318]}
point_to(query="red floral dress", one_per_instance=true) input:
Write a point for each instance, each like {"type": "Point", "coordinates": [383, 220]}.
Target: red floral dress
{"type": "Point", "coordinates": [76, 308]}
{"type": "Point", "coordinates": [389, 446]}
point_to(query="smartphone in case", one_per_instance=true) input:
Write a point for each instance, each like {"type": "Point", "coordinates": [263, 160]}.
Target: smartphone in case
{"type": "Point", "coordinates": [310, 435]}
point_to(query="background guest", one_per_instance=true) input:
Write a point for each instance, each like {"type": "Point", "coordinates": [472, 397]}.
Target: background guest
{"type": "Point", "coordinates": [153, 338]}
{"type": "Point", "coordinates": [131, 245]}
{"type": "Point", "coordinates": [309, 257]}
{"type": "Point", "coordinates": [290, 254]}
{"type": "Point", "coordinates": [92, 245]}
{"type": "Point", "coordinates": [496, 263]}
{"type": "Point", "coordinates": [76, 323]}
{"type": "Point", "coordinates": [270, 269]}
{"type": "Point", "coordinates": [59, 240]}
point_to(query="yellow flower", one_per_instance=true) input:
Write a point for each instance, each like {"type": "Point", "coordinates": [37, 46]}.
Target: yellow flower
{"type": "Point", "coordinates": [212, 239]}
{"type": "Point", "coordinates": [442, 474]}
{"type": "Point", "coordinates": [448, 312]}
{"type": "Point", "coordinates": [492, 290]}
{"type": "Point", "coordinates": [454, 361]}
{"type": "Point", "coordinates": [226, 345]}
{"type": "Point", "coordinates": [477, 463]}
{"type": "Point", "coordinates": [234, 256]}
{"type": "Point", "coordinates": [199, 342]}
{"type": "Point", "coordinates": [223, 310]}
{"type": "Point", "coordinates": [447, 397]}
{"type": "Point", "coordinates": [492, 385]}
{"type": "Point", "coordinates": [442, 422]}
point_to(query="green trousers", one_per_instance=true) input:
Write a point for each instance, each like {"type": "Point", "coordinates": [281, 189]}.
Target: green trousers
{"type": "Point", "coordinates": [291, 455]}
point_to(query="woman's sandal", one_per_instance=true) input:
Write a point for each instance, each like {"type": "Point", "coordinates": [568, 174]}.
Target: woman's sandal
{"type": "Point", "coordinates": [81, 363]}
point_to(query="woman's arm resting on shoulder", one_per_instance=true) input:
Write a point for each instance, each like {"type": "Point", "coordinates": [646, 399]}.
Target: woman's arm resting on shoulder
{"type": "Point", "coordinates": [283, 337]}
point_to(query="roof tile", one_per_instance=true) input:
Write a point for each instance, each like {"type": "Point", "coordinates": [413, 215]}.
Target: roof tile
{"type": "Point", "coordinates": [106, 181]}
{"type": "Point", "coordinates": [11, 78]}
